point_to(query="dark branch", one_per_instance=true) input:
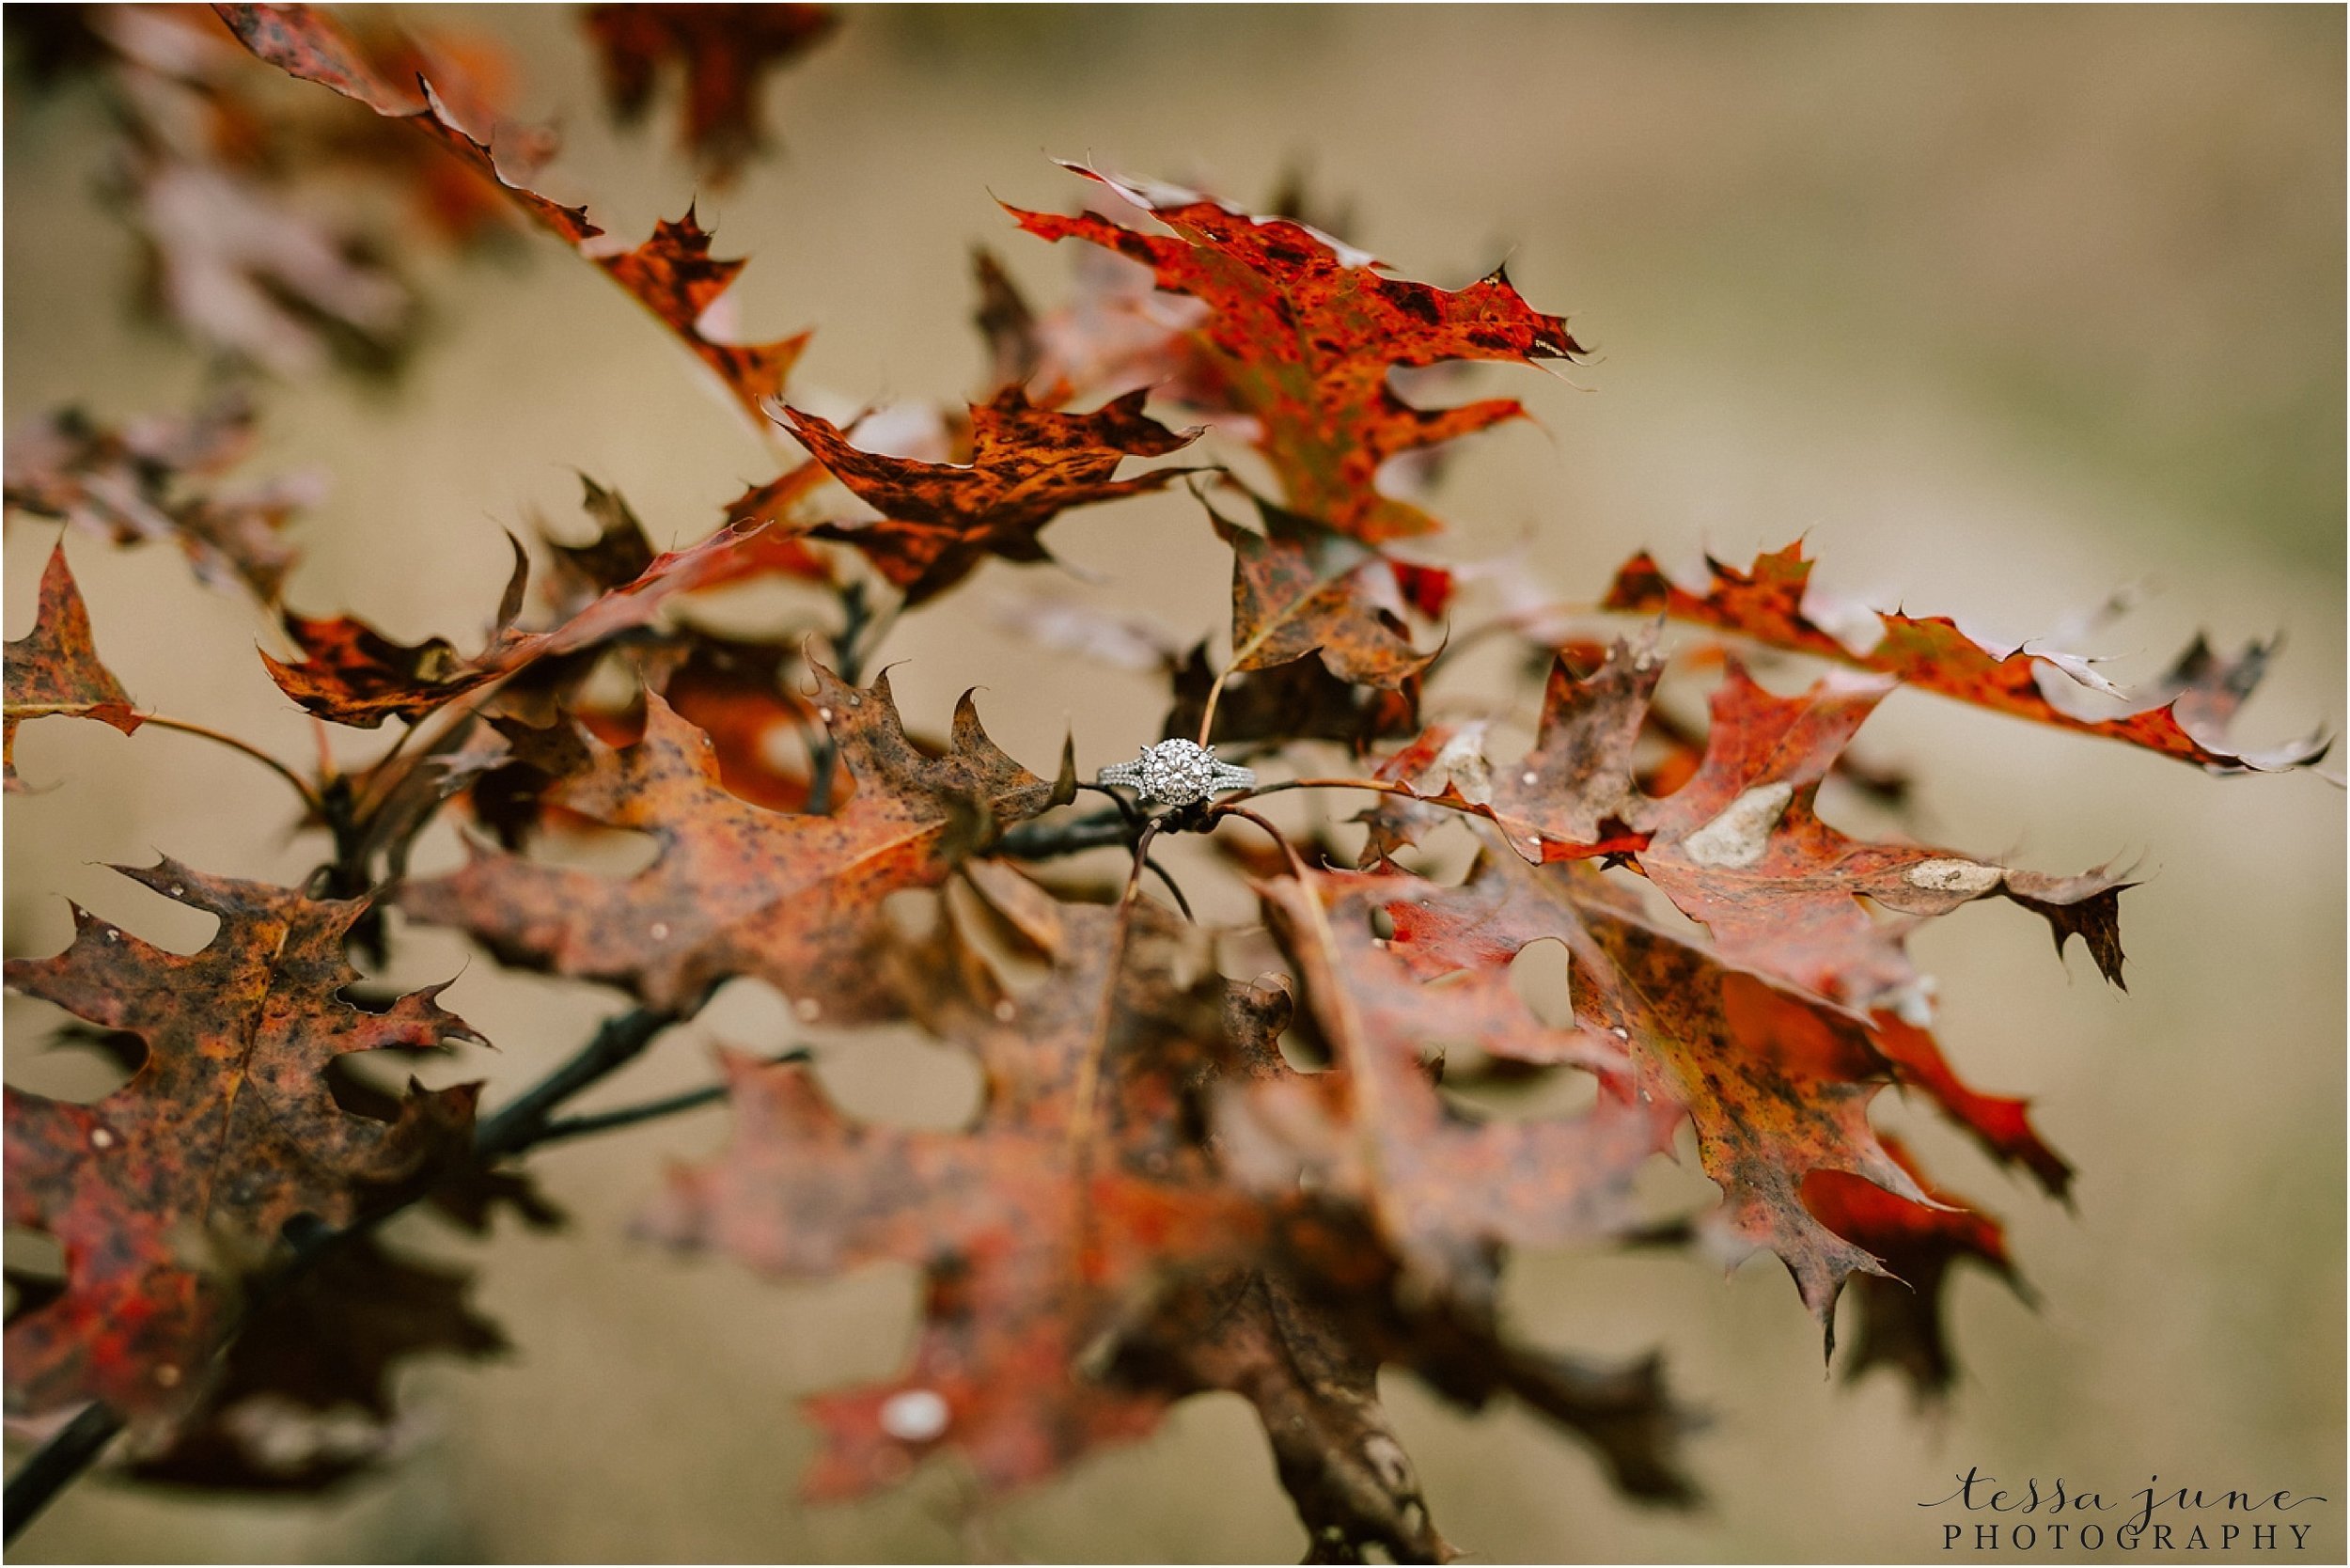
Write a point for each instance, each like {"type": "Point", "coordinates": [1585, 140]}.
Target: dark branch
{"type": "Point", "coordinates": [39, 1480]}
{"type": "Point", "coordinates": [1046, 841]}
{"type": "Point", "coordinates": [525, 1121]}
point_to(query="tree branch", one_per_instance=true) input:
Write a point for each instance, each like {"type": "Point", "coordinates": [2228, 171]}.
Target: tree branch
{"type": "Point", "coordinates": [57, 1463]}
{"type": "Point", "coordinates": [523, 1122]}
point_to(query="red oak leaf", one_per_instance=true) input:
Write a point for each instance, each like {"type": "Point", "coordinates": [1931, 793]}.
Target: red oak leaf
{"type": "Point", "coordinates": [131, 484]}
{"type": "Point", "coordinates": [53, 670]}
{"type": "Point", "coordinates": [1304, 331]}
{"type": "Point", "coordinates": [737, 890]}
{"type": "Point", "coordinates": [353, 674]}
{"type": "Point", "coordinates": [228, 1129]}
{"type": "Point", "coordinates": [672, 274]}
{"type": "Point", "coordinates": [1027, 466]}
{"type": "Point", "coordinates": [1776, 1082]}
{"type": "Point", "coordinates": [1440, 1189]}
{"type": "Point", "coordinates": [1900, 1317]}
{"type": "Point", "coordinates": [1299, 589]}
{"type": "Point", "coordinates": [1771, 603]}
{"type": "Point", "coordinates": [304, 1397]}
{"type": "Point", "coordinates": [724, 53]}
{"type": "Point", "coordinates": [1741, 848]}
{"type": "Point", "coordinates": [1037, 1227]}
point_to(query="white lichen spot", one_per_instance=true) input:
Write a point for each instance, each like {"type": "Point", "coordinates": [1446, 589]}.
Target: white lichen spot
{"type": "Point", "coordinates": [113, 935]}
{"type": "Point", "coordinates": [1621, 1032]}
{"type": "Point", "coordinates": [101, 1137]}
{"type": "Point", "coordinates": [1953, 876]}
{"type": "Point", "coordinates": [856, 701]}
{"type": "Point", "coordinates": [808, 1010]}
{"type": "Point", "coordinates": [1005, 1011]}
{"type": "Point", "coordinates": [824, 714]}
{"type": "Point", "coordinates": [1528, 776]}
{"type": "Point", "coordinates": [1534, 840]}
{"type": "Point", "coordinates": [659, 931]}
{"type": "Point", "coordinates": [914, 1415]}
{"type": "Point", "coordinates": [1913, 1004]}
{"type": "Point", "coordinates": [1739, 835]}
{"type": "Point", "coordinates": [177, 889]}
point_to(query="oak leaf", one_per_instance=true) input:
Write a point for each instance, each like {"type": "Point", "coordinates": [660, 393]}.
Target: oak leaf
{"type": "Point", "coordinates": [1038, 1228]}
{"type": "Point", "coordinates": [1304, 332]}
{"type": "Point", "coordinates": [1901, 1317]}
{"type": "Point", "coordinates": [228, 1129]}
{"type": "Point", "coordinates": [737, 890]}
{"type": "Point", "coordinates": [723, 53]}
{"type": "Point", "coordinates": [1299, 589]}
{"type": "Point", "coordinates": [53, 669]}
{"type": "Point", "coordinates": [1771, 603]}
{"type": "Point", "coordinates": [671, 274]}
{"type": "Point", "coordinates": [1027, 466]}
{"type": "Point", "coordinates": [133, 482]}
{"type": "Point", "coordinates": [304, 1397]}
{"type": "Point", "coordinates": [353, 674]}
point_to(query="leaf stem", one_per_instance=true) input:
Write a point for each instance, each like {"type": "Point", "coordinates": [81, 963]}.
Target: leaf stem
{"type": "Point", "coordinates": [1207, 715]}
{"type": "Point", "coordinates": [186, 726]}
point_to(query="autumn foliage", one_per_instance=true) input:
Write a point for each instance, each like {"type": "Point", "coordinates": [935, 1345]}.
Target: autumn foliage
{"type": "Point", "coordinates": [1181, 1178]}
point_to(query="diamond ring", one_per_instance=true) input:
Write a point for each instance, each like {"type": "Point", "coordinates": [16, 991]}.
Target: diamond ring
{"type": "Point", "coordinates": [1177, 773]}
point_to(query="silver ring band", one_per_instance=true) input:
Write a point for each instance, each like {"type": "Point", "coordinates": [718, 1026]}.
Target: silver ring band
{"type": "Point", "coordinates": [1177, 773]}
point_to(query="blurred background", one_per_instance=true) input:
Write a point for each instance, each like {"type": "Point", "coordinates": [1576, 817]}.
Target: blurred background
{"type": "Point", "coordinates": [1999, 310]}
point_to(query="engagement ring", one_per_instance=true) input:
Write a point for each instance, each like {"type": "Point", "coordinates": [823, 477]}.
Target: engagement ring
{"type": "Point", "coordinates": [1177, 773]}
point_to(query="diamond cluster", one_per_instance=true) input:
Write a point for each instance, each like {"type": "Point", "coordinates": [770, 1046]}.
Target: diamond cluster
{"type": "Point", "coordinates": [1176, 771]}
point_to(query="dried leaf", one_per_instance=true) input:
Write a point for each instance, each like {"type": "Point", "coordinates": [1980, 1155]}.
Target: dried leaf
{"type": "Point", "coordinates": [229, 1130]}
{"type": "Point", "coordinates": [723, 53]}
{"type": "Point", "coordinates": [1304, 331]}
{"type": "Point", "coordinates": [1037, 1227]}
{"type": "Point", "coordinates": [737, 890]}
{"type": "Point", "coordinates": [1772, 603]}
{"type": "Point", "coordinates": [1027, 466]}
{"type": "Point", "coordinates": [131, 484]}
{"type": "Point", "coordinates": [53, 670]}
{"type": "Point", "coordinates": [1299, 589]}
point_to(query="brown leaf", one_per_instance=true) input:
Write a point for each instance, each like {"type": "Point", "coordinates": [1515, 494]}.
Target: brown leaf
{"type": "Point", "coordinates": [1027, 466]}
{"type": "Point", "coordinates": [353, 674]}
{"type": "Point", "coordinates": [1317, 1393]}
{"type": "Point", "coordinates": [1741, 848]}
{"type": "Point", "coordinates": [1772, 603]}
{"type": "Point", "coordinates": [1442, 1188]}
{"type": "Point", "coordinates": [131, 482]}
{"type": "Point", "coordinates": [1305, 330]}
{"type": "Point", "coordinates": [674, 275]}
{"type": "Point", "coordinates": [723, 53]}
{"type": "Point", "coordinates": [1300, 589]}
{"type": "Point", "coordinates": [53, 670]}
{"type": "Point", "coordinates": [227, 1131]}
{"type": "Point", "coordinates": [737, 890]}
{"type": "Point", "coordinates": [1037, 1229]}
{"type": "Point", "coordinates": [1300, 700]}
{"type": "Point", "coordinates": [1776, 1082]}
{"type": "Point", "coordinates": [305, 1398]}
{"type": "Point", "coordinates": [1901, 1317]}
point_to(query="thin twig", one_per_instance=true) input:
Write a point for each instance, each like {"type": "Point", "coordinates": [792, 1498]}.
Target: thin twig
{"type": "Point", "coordinates": [1048, 840]}
{"type": "Point", "coordinates": [523, 1122]}
{"type": "Point", "coordinates": [568, 1127]}
{"type": "Point", "coordinates": [1174, 888]}
{"type": "Point", "coordinates": [57, 1463]}
{"type": "Point", "coordinates": [300, 785]}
